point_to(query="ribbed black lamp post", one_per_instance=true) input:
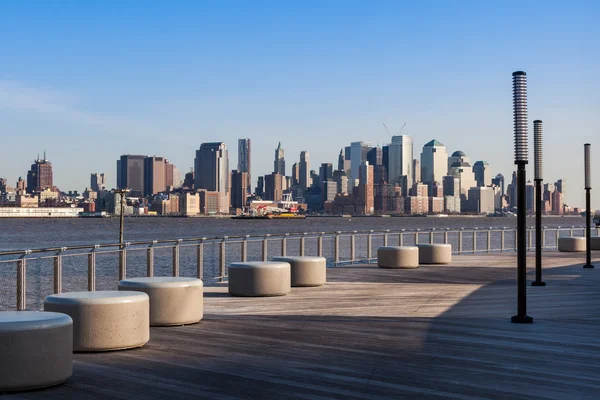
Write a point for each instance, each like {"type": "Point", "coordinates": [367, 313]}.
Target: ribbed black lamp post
{"type": "Point", "coordinates": [537, 159]}
{"type": "Point", "coordinates": [520, 125]}
{"type": "Point", "coordinates": [588, 207]}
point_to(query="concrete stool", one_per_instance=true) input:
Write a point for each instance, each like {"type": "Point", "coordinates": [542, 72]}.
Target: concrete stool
{"type": "Point", "coordinates": [595, 243]}
{"type": "Point", "coordinates": [398, 257]}
{"type": "Point", "coordinates": [36, 349]}
{"type": "Point", "coordinates": [306, 271]}
{"type": "Point", "coordinates": [105, 320]}
{"type": "Point", "coordinates": [435, 253]}
{"type": "Point", "coordinates": [259, 279]}
{"type": "Point", "coordinates": [571, 244]}
{"type": "Point", "coordinates": [173, 301]}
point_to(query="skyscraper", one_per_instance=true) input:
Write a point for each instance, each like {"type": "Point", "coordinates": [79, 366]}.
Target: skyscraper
{"type": "Point", "coordinates": [325, 172]}
{"type": "Point", "coordinates": [366, 189]}
{"type": "Point", "coordinates": [39, 177]}
{"type": "Point", "coordinates": [239, 190]}
{"type": "Point", "coordinates": [279, 163]}
{"type": "Point", "coordinates": [341, 161]}
{"type": "Point", "coordinates": [211, 167]}
{"type": "Point", "coordinates": [499, 181]}
{"type": "Point", "coordinates": [358, 155]}
{"type": "Point", "coordinates": [416, 167]}
{"type": "Point", "coordinates": [434, 162]}
{"type": "Point", "coordinates": [154, 175]}
{"type": "Point", "coordinates": [97, 182]}
{"type": "Point", "coordinates": [130, 173]}
{"type": "Point", "coordinates": [483, 174]}
{"type": "Point", "coordinates": [244, 160]}
{"type": "Point", "coordinates": [273, 187]}
{"type": "Point", "coordinates": [304, 170]}
{"type": "Point", "coordinates": [400, 158]}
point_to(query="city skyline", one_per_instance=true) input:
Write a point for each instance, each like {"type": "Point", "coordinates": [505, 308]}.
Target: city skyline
{"type": "Point", "coordinates": [315, 92]}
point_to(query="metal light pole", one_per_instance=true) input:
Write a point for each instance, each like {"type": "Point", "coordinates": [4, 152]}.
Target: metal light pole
{"type": "Point", "coordinates": [520, 134]}
{"type": "Point", "coordinates": [537, 158]}
{"type": "Point", "coordinates": [588, 207]}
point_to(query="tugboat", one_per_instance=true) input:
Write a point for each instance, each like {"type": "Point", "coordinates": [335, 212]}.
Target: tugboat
{"type": "Point", "coordinates": [287, 209]}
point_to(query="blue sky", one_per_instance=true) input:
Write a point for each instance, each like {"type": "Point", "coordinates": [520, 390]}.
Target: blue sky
{"type": "Point", "coordinates": [88, 81]}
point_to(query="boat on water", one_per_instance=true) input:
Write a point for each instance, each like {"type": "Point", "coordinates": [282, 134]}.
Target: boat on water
{"type": "Point", "coordinates": [286, 209]}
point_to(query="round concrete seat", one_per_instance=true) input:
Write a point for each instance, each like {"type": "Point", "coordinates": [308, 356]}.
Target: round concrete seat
{"type": "Point", "coordinates": [571, 244]}
{"type": "Point", "coordinates": [306, 271]}
{"type": "Point", "coordinates": [259, 278]}
{"type": "Point", "coordinates": [398, 257]}
{"type": "Point", "coordinates": [595, 243]}
{"type": "Point", "coordinates": [36, 349]}
{"type": "Point", "coordinates": [104, 320]}
{"type": "Point", "coordinates": [173, 300]}
{"type": "Point", "coordinates": [435, 253]}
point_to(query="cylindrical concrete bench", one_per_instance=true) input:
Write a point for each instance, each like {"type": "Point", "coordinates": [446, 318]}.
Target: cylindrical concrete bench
{"type": "Point", "coordinates": [398, 257]}
{"type": "Point", "coordinates": [595, 243]}
{"type": "Point", "coordinates": [259, 279]}
{"type": "Point", "coordinates": [173, 300]}
{"type": "Point", "coordinates": [571, 244]}
{"type": "Point", "coordinates": [105, 320]}
{"type": "Point", "coordinates": [435, 253]}
{"type": "Point", "coordinates": [36, 349]}
{"type": "Point", "coordinates": [306, 270]}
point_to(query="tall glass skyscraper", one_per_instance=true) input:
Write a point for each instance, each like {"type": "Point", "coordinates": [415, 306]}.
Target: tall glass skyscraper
{"type": "Point", "coordinates": [400, 158]}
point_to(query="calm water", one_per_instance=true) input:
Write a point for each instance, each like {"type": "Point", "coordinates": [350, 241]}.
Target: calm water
{"type": "Point", "coordinates": [39, 233]}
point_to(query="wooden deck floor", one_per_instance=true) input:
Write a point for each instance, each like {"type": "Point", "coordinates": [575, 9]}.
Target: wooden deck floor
{"type": "Point", "coordinates": [438, 332]}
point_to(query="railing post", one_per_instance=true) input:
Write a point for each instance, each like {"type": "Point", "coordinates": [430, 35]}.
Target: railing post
{"type": "Point", "coordinates": [401, 239]}
{"type": "Point", "coordinates": [572, 231]}
{"type": "Point", "coordinates": [446, 236]}
{"type": "Point", "coordinates": [502, 240]}
{"type": "Point", "coordinates": [150, 260]}
{"type": "Point", "coordinates": [369, 246]}
{"type": "Point", "coordinates": [265, 248]}
{"type": "Point", "coordinates": [58, 271]}
{"type": "Point", "coordinates": [176, 258]}
{"type": "Point", "coordinates": [200, 260]}
{"type": "Point", "coordinates": [474, 240]}
{"type": "Point", "coordinates": [530, 238]}
{"type": "Point", "coordinates": [123, 262]}
{"type": "Point", "coordinates": [320, 245]}
{"type": "Point", "coordinates": [92, 269]}
{"type": "Point", "coordinates": [284, 245]}
{"type": "Point", "coordinates": [336, 248]}
{"type": "Point", "coordinates": [352, 247]}
{"type": "Point", "coordinates": [417, 236]}
{"type": "Point", "coordinates": [556, 237]}
{"type": "Point", "coordinates": [222, 259]}
{"type": "Point", "coordinates": [385, 238]}
{"type": "Point", "coordinates": [302, 242]}
{"type": "Point", "coordinates": [431, 236]}
{"type": "Point", "coordinates": [460, 240]}
{"type": "Point", "coordinates": [489, 240]}
{"type": "Point", "coordinates": [515, 234]}
{"type": "Point", "coordinates": [245, 249]}
{"type": "Point", "coordinates": [22, 282]}
{"type": "Point", "coordinates": [544, 238]}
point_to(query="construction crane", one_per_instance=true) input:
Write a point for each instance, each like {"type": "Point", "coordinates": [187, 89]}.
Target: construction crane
{"type": "Point", "coordinates": [388, 131]}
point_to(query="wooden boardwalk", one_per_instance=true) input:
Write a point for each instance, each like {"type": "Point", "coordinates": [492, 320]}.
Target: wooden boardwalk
{"type": "Point", "coordinates": [437, 332]}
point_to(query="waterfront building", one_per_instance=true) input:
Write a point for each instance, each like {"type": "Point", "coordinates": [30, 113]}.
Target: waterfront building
{"type": "Point", "coordinates": [419, 190]}
{"type": "Point", "coordinates": [434, 162]}
{"type": "Point", "coordinates": [561, 186]}
{"type": "Point", "coordinates": [130, 174]}
{"type": "Point", "coordinates": [400, 159]}
{"type": "Point", "coordinates": [415, 205]}
{"type": "Point", "coordinates": [436, 190]}
{"type": "Point", "coordinates": [304, 170]}
{"type": "Point", "coordinates": [244, 165]}
{"type": "Point", "coordinates": [211, 167]}
{"type": "Point", "coordinates": [436, 205]}
{"type": "Point", "coordinates": [21, 186]}
{"type": "Point", "coordinates": [39, 177]}
{"type": "Point", "coordinates": [328, 191]}
{"type": "Point", "coordinates": [481, 200]}
{"type": "Point", "coordinates": [210, 202]}
{"type": "Point", "coordinates": [388, 199]}
{"type": "Point", "coordinates": [366, 190]}
{"type": "Point", "coordinates": [239, 189]}
{"type": "Point", "coordinates": [97, 182]}
{"type": "Point", "coordinates": [358, 155]}
{"type": "Point", "coordinates": [482, 172]}
{"type": "Point", "coordinates": [279, 163]}
{"type": "Point", "coordinates": [189, 204]}
{"type": "Point", "coordinates": [452, 204]}
{"type": "Point", "coordinates": [498, 180]}
{"type": "Point", "coordinates": [273, 187]}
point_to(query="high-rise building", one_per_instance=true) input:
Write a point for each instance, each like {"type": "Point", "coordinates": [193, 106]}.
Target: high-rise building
{"type": "Point", "coordinates": [239, 189]}
{"type": "Point", "coordinates": [483, 174]}
{"type": "Point", "coordinates": [400, 158]}
{"type": "Point", "coordinates": [130, 174]}
{"type": "Point", "coordinates": [341, 161]}
{"type": "Point", "coordinates": [434, 162]}
{"type": "Point", "coordinates": [366, 189]}
{"type": "Point", "coordinates": [273, 187]}
{"type": "Point", "coordinates": [416, 167]}
{"type": "Point", "coordinates": [295, 174]}
{"type": "Point", "coordinates": [461, 169]}
{"type": "Point", "coordinates": [358, 155]}
{"type": "Point", "coordinates": [561, 186]}
{"type": "Point", "coordinates": [39, 177]}
{"type": "Point", "coordinates": [385, 158]}
{"type": "Point", "coordinates": [279, 163]}
{"type": "Point", "coordinates": [260, 187]}
{"type": "Point", "coordinates": [375, 156]}
{"type": "Point", "coordinates": [451, 186]}
{"type": "Point", "coordinates": [188, 181]}
{"type": "Point", "coordinates": [498, 180]}
{"type": "Point", "coordinates": [244, 151]}
{"type": "Point", "coordinates": [154, 175]}
{"type": "Point", "coordinates": [304, 170]}
{"type": "Point", "coordinates": [325, 172]}
{"type": "Point", "coordinates": [97, 182]}
{"type": "Point", "coordinates": [212, 171]}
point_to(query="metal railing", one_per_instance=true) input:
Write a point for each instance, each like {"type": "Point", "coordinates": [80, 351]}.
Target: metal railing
{"type": "Point", "coordinates": [207, 258]}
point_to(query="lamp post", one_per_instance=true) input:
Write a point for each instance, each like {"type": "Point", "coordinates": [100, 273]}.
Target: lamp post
{"type": "Point", "coordinates": [520, 137]}
{"type": "Point", "coordinates": [588, 206]}
{"type": "Point", "coordinates": [122, 193]}
{"type": "Point", "coordinates": [537, 158]}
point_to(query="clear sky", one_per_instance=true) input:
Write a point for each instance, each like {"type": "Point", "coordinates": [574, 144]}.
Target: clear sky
{"type": "Point", "coordinates": [89, 81]}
